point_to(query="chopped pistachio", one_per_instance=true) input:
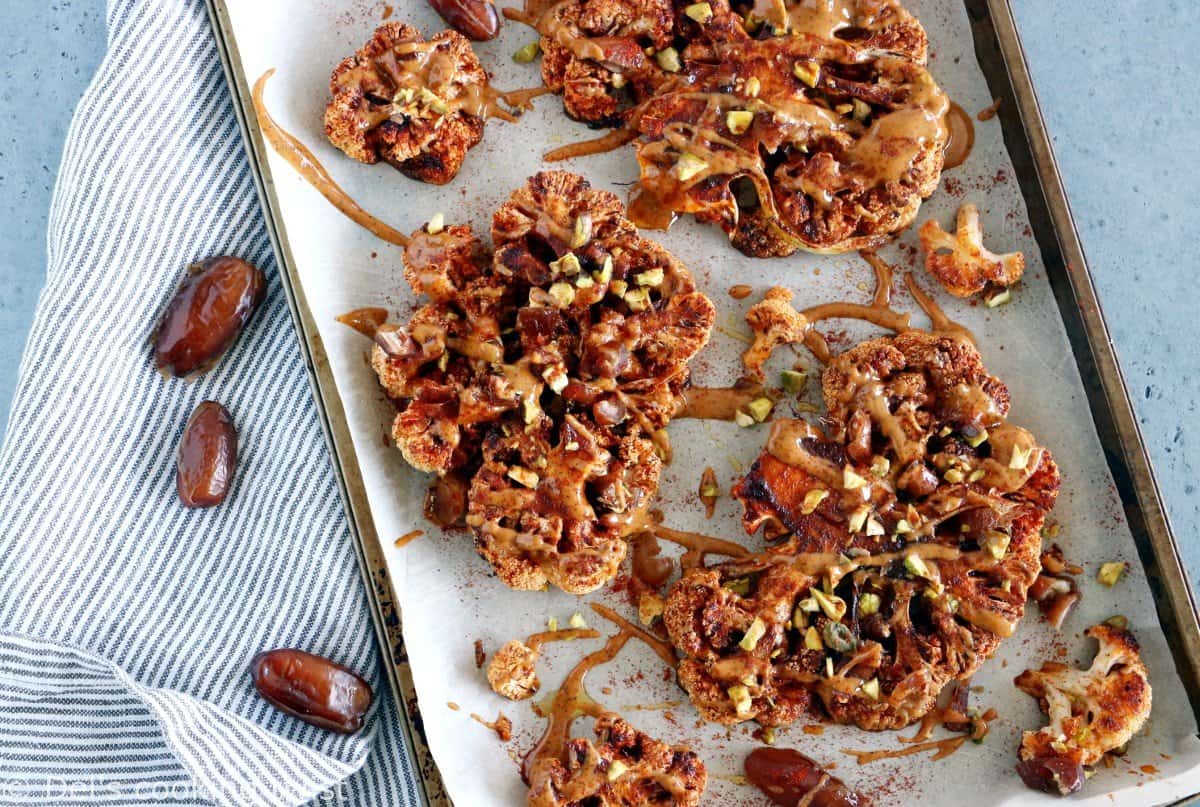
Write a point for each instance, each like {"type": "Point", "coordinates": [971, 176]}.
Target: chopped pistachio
{"type": "Point", "coordinates": [738, 585]}
{"type": "Point", "coordinates": [436, 224]}
{"type": "Point", "coordinates": [583, 230]}
{"type": "Point", "coordinates": [709, 492]}
{"type": "Point", "coordinates": [807, 71]}
{"type": "Point", "coordinates": [844, 109]}
{"type": "Point", "coordinates": [768, 734]}
{"type": "Point", "coordinates": [584, 282]}
{"type": "Point", "coordinates": [616, 769]}
{"type": "Point", "coordinates": [743, 420]}
{"type": "Point", "coordinates": [829, 667]}
{"type": "Point", "coordinates": [742, 703]}
{"type": "Point", "coordinates": [527, 53]}
{"type": "Point", "coordinates": [566, 265]}
{"type": "Point", "coordinates": [618, 287]}
{"type": "Point", "coordinates": [902, 526]}
{"type": "Point", "coordinates": [577, 621]}
{"type": "Point", "coordinates": [650, 608]}
{"type": "Point", "coordinates": [403, 96]}
{"type": "Point", "coordinates": [753, 85]}
{"type": "Point", "coordinates": [443, 361]}
{"type": "Point", "coordinates": [812, 500]}
{"type": "Point", "coordinates": [833, 605]}
{"type": "Point", "coordinates": [1119, 622]}
{"type": "Point", "coordinates": [1006, 584]}
{"type": "Point", "coordinates": [998, 299]}
{"type": "Point", "coordinates": [880, 466]}
{"type": "Point", "coordinates": [858, 519]}
{"type": "Point", "coordinates": [552, 623]}
{"type": "Point", "coordinates": [433, 101]}
{"type": "Point", "coordinates": [1020, 458]}
{"type": "Point", "coordinates": [793, 381]}
{"type": "Point", "coordinates": [812, 639]}
{"type": "Point", "coordinates": [604, 273]}
{"type": "Point", "coordinates": [700, 12]}
{"type": "Point", "coordinates": [809, 605]}
{"type": "Point", "coordinates": [976, 475]}
{"type": "Point", "coordinates": [753, 634]}
{"type": "Point", "coordinates": [945, 432]}
{"type": "Point", "coordinates": [523, 476]}
{"type": "Point", "coordinates": [668, 59]}
{"type": "Point", "coordinates": [862, 110]}
{"type": "Point", "coordinates": [687, 166]}
{"type": "Point", "coordinates": [874, 527]}
{"type": "Point", "coordinates": [979, 439]}
{"type": "Point", "coordinates": [871, 689]}
{"type": "Point", "coordinates": [563, 294]}
{"type": "Point", "coordinates": [739, 120]}
{"type": "Point", "coordinates": [996, 543]}
{"type": "Point", "coordinates": [637, 299]}
{"type": "Point", "coordinates": [869, 603]}
{"type": "Point", "coordinates": [851, 480]}
{"type": "Point", "coordinates": [617, 80]}
{"type": "Point", "coordinates": [650, 277]}
{"type": "Point", "coordinates": [799, 618]}
{"type": "Point", "coordinates": [760, 408]}
{"type": "Point", "coordinates": [916, 566]}
{"type": "Point", "coordinates": [954, 476]}
{"type": "Point", "coordinates": [1110, 573]}
{"type": "Point", "coordinates": [837, 637]}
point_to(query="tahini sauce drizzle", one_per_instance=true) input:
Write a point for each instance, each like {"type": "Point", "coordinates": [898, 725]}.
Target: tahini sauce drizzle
{"type": "Point", "coordinates": [310, 168]}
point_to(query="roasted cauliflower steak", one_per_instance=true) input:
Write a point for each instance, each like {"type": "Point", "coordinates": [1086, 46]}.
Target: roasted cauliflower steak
{"type": "Point", "coordinates": [621, 767]}
{"type": "Point", "coordinates": [409, 102]}
{"type": "Point", "coordinates": [907, 531]}
{"type": "Point", "coordinates": [1092, 712]}
{"type": "Point", "coordinates": [542, 371]}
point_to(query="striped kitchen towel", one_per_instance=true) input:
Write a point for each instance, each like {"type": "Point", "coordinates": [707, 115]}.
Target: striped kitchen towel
{"type": "Point", "coordinates": [126, 621]}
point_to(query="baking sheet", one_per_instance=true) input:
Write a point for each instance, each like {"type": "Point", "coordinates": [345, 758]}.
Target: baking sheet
{"type": "Point", "coordinates": [446, 594]}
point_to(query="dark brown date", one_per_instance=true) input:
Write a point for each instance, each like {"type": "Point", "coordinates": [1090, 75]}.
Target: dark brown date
{"type": "Point", "coordinates": [210, 308]}
{"type": "Point", "coordinates": [788, 777]}
{"type": "Point", "coordinates": [207, 455]}
{"type": "Point", "coordinates": [474, 19]}
{"type": "Point", "coordinates": [1052, 775]}
{"type": "Point", "coordinates": [312, 688]}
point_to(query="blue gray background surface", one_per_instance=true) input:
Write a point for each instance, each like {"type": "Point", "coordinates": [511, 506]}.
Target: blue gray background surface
{"type": "Point", "coordinates": [1117, 83]}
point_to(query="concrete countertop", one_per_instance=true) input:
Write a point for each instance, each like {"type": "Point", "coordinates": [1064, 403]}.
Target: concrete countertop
{"type": "Point", "coordinates": [1117, 87]}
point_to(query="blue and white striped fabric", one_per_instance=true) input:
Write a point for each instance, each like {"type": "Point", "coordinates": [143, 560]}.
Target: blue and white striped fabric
{"type": "Point", "coordinates": [126, 621]}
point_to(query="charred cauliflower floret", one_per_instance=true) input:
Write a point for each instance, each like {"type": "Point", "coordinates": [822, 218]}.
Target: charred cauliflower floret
{"type": "Point", "coordinates": [511, 672]}
{"type": "Point", "coordinates": [595, 53]}
{"type": "Point", "coordinates": [541, 374]}
{"type": "Point", "coordinates": [1092, 712]}
{"type": "Point", "coordinates": [960, 262]}
{"type": "Point", "coordinates": [621, 767]}
{"type": "Point", "coordinates": [775, 323]}
{"type": "Point", "coordinates": [909, 534]}
{"type": "Point", "coordinates": [411, 102]}
{"type": "Point", "coordinates": [830, 154]}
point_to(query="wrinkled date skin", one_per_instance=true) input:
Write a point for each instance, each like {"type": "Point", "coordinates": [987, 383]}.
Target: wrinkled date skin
{"type": "Point", "coordinates": [1051, 775]}
{"type": "Point", "coordinates": [312, 688]}
{"type": "Point", "coordinates": [210, 308]}
{"type": "Point", "coordinates": [474, 19]}
{"type": "Point", "coordinates": [207, 456]}
{"type": "Point", "coordinates": [788, 777]}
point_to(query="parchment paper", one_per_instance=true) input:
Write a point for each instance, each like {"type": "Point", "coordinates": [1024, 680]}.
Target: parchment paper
{"type": "Point", "coordinates": [448, 596]}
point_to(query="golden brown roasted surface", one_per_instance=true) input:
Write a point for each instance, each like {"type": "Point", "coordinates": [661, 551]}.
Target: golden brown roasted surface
{"type": "Point", "coordinates": [542, 371]}
{"type": "Point", "coordinates": [1092, 712]}
{"type": "Point", "coordinates": [622, 768]}
{"type": "Point", "coordinates": [408, 101]}
{"type": "Point", "coordinates": [512, 672]}
{"type": "Point", "coordinates": [793, 125]}
{"type": "Point", "coordinates": [912, 529]}
{"type": "Point", "coordinates": [960, 262]}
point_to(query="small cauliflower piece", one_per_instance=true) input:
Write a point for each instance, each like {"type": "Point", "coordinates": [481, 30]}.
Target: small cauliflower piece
{"type": "Point", "coordinates": [774, 322]}
{"type": "Point", "coordinates": [960, 262]}
{"type": "Point", "coordinates": [1092, 712]}
{"type": "Point", "coordinates": [511, 671]}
